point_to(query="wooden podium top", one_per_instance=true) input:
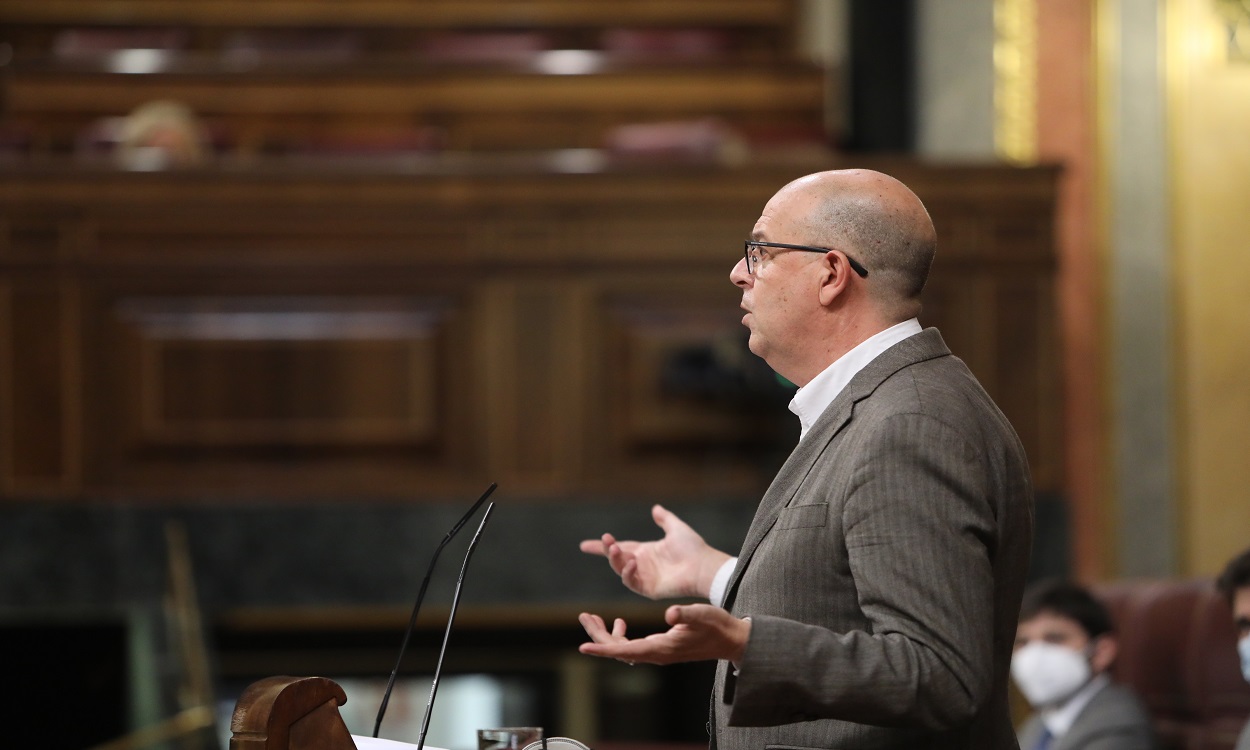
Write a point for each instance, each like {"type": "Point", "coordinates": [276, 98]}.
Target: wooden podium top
{"type": "Point", "coordinates": [290, 713]}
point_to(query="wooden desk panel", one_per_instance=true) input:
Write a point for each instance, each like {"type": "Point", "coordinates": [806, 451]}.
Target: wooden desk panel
{"type": "Point", "coordinates": [296, 333]}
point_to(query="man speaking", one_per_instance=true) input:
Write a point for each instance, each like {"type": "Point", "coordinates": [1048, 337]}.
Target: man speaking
{"type": "Point", "coordinates": [874, 601]}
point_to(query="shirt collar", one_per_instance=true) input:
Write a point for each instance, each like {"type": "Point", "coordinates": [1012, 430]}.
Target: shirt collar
{"type": "Point", "coordinates": [1059, 719]}
{"type": "Point", "coordinates": [812, 399]}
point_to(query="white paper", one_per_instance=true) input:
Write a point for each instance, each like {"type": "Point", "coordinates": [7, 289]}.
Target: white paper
{"type": "Point", "coordinates": [375, 743]}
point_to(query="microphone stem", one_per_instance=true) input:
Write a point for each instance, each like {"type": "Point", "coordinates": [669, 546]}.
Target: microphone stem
{"type": "Point", "coordinates": [425, 583]}
{"type": "Point", "coordinates": [455, 602]}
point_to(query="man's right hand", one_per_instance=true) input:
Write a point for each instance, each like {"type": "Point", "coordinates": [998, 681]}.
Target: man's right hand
{"type": "Point", "coordinates": [680, 564]}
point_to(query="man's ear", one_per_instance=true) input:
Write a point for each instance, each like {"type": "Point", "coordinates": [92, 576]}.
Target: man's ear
{"type": "Point", "coordinates": [834, 276]}
{"type": "Point", "coordinates": [1105, 649]}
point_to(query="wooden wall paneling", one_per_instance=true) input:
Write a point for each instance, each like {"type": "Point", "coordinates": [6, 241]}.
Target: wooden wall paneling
{"type": "Point", "coordinates": [8, 364]}
{"type": "Point", "coordinates": [582, 326]}
{"type": "Point", "coordinates": [277, 389]}
{"type": "Point", "coordinates": [39, 419]}
{"type": "Point", "coordinates": [947, 303]}
{"type": "Point", "coordinates": [991, 293]}
{"type": "Point", "coordinates": [672, 411]}
{"type": "Point", "coordinates": [670, 336]}
{"type": "Point", "coordinates": [1019, 248]}
{"type": "Point", "coordinates": [1050, 465]}
{"type": "Point", "coordinates": [666, 353]}
{"type": "Point", "coordinates": [214, 372]}
{"type": "Point", "coordinates": [1025, 344]}
{"type": "Point", "coordinates": [32, 237]}
{"type": "Point", "coordinates": [533, 383]}
{"type": "Point", "coordinates": [308, 237]}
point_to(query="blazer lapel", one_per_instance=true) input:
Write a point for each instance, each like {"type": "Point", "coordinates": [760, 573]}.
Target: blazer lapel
{"type": "Point", "coordinates": [925, 345]}
{"type": "Point", "coordinates": [781, 492]}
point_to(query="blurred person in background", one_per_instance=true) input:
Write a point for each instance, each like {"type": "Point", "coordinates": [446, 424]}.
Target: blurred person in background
{"type": "Point", "coordinates": [1234, 583]}
{"type": "Point", "coordinates": [161, 134]}
{"type": "Point", "coordinates": [1065, 646]}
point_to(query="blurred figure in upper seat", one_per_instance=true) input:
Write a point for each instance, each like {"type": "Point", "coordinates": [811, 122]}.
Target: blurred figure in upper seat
{"type": "Point", "coordinates": [161, 134]}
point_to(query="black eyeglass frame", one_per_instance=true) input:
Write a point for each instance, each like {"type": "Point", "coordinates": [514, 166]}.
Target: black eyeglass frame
{"type": "Point", "coordinates": [746, 253]}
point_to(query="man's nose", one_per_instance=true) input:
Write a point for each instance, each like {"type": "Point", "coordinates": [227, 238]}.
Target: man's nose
{"type": "Point", "coordinates": [739, 275]}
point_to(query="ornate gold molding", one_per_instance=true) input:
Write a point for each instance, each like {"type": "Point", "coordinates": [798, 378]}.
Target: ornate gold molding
{"type": "Point", "coordinates": [1015, 80]}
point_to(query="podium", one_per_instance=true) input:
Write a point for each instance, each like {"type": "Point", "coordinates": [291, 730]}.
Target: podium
{"type": "Point", "coordinates": [290, 713]}
{"type": "Point", "coordinates": [302, 713]}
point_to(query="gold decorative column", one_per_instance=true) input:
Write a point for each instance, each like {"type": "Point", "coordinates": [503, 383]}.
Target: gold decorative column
{"type": "Point", "coordinates": [1015, 80]}
{"type": "Point", "coordinates": [1209, 162]}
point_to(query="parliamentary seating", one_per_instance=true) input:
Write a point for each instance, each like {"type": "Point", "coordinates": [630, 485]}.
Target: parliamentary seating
{"type": "Point", "coordinates": [1178, 652]}
{"type": "Point", "coordinates": [483, 74]}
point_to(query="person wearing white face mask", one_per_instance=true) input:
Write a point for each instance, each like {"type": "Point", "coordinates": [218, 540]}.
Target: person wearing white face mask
{"type": "Point", "coordinates": [1234, 583]}
{"type": "Point", "coordinates": [1065, 645]}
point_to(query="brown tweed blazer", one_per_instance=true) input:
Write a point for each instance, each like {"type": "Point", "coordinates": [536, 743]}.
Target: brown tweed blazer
{"type": "Point", "coordinates": [883, 570]}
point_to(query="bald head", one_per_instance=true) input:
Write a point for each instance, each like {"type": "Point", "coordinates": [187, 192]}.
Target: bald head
{"type": "Point", "coordinates": [877, 220]}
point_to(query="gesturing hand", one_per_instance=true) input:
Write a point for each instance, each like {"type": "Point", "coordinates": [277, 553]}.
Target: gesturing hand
{"type": "Point", "coordinates": [680, 564]}
{"type": "Point", "coordinates": [697, 632]}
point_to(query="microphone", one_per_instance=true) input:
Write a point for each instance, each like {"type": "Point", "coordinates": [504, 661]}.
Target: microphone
{"type": "Point", "coordinates": [455, 602]}
{"type": "Point", "coordinates": [412, 621]}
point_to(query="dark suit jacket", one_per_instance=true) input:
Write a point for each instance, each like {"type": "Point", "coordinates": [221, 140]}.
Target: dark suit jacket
{"type": "Point", "coordinates": [883, 570]}
{"type": "Point", "coordinates": [1114, 719]}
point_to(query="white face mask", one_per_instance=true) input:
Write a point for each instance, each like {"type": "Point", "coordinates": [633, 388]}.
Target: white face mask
{"type": "Point", "coordinates": [1048, 673]}
{"type": "Point", "coordinates": [1243, 650]}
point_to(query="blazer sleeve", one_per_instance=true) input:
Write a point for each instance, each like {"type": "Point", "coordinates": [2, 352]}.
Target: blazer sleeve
{"type": "Point", "coordinates": [920, 536]}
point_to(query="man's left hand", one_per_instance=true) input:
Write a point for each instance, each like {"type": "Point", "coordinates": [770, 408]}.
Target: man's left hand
{"type": "Point", "coordinates": [697, 632]}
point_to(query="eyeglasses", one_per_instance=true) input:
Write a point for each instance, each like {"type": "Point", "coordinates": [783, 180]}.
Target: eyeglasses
{"type": "Point", "coordinates": [752, 253]}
